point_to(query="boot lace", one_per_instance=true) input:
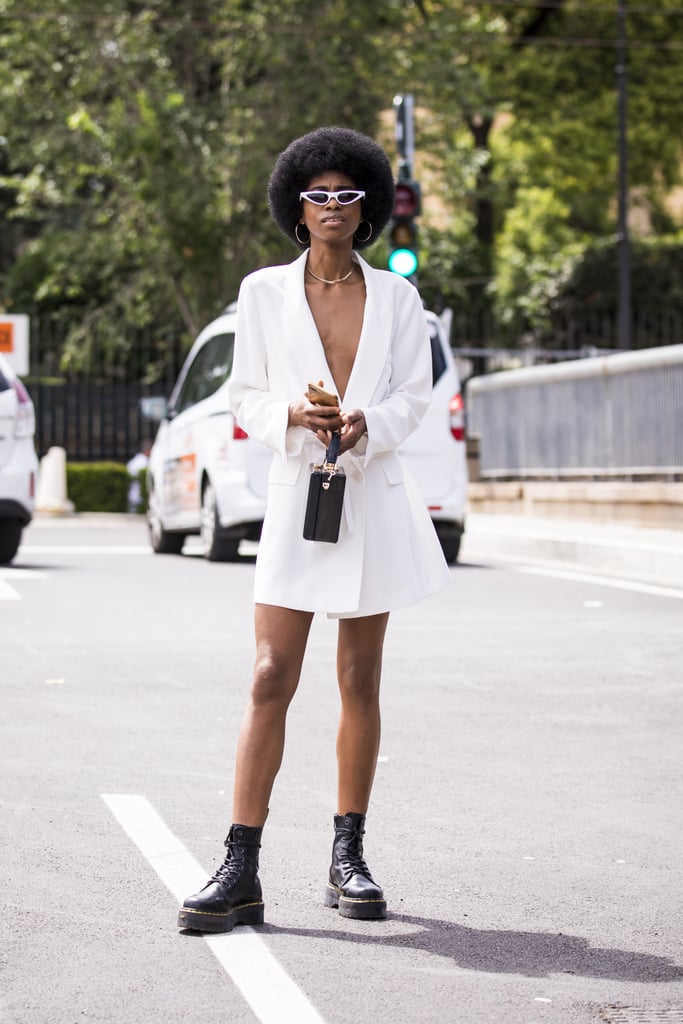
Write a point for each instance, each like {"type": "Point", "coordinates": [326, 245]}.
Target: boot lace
{"type": "Point", "coordinates": [231, 869]}
{"type": "Point", "coordinates": [351, 858]}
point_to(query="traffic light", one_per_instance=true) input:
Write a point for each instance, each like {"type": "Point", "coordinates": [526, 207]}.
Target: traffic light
{"type": "Point", "coordinates": [403, 257]}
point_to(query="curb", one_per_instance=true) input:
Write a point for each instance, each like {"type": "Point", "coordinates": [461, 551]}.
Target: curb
{"type": "Point", "coordinates": [628, 552]}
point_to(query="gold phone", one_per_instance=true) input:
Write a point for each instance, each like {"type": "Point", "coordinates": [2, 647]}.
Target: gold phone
{"type": "Point", "coordinates": [318, 396]}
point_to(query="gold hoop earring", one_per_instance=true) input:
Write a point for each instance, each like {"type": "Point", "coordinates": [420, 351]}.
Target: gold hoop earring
{"type": "Point", "coordinates": [369, 234]}
{"type": "Point", "coordinates": [301, 241]}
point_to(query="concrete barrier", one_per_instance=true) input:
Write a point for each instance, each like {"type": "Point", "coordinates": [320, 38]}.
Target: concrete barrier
{"type": "Point", "coordinates": [657, 504]}
{"type": "Point", "coordinates": [51, 496]}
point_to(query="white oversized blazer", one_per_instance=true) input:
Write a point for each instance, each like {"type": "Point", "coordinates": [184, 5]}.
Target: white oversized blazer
{"type": "Point", "coordinates": [388, 555]}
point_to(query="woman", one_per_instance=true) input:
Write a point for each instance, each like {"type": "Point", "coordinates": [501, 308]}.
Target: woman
{"type": "Point", "coordinates": [328, 318]}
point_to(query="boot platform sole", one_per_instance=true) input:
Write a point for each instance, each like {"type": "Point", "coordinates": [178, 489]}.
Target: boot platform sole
{"type": "Point", "coordinates": [360, 909]}
{"type": "Point", "coordinates": [206, 921]}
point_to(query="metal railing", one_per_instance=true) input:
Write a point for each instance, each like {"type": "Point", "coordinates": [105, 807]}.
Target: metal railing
{"type": "Point", "coordinates": [611, 416]}
{"type": "Point", "coordinates": [92, 409]}
{"type": "Point", "coordinates": [87, 400]}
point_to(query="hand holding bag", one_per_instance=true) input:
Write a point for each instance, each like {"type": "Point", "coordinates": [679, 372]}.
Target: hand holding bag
{"type": "Point", "coordinates": [325, 497]}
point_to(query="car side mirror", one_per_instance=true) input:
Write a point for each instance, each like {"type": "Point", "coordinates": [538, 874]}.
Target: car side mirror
{"type": "Point", "coordinates": [154, 408]}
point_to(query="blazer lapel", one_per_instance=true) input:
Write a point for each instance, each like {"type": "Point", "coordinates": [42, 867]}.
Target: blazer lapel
{"type": "Point", "coordinates": [373, 347]}
{"type": "Point", "coordinates": [300, 333]}
{"type": "Point", "coordinates": [306, 353]}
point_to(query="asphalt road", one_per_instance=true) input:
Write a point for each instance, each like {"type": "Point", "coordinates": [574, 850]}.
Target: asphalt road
{"type": "Point", "coordinates": [526, 821]}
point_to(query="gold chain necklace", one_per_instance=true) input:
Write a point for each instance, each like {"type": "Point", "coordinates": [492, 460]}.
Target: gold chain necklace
{"type": "Point", "coordinates": [339, 280]}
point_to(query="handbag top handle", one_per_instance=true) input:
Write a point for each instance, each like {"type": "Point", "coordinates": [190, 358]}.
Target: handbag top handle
{"type": "Point", "coordinates": [333, 449]}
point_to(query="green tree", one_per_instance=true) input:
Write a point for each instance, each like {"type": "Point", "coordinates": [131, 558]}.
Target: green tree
{"type": "Point", "coordinates": [109, 162]}
{"type": "Point", "coordinates": [523, 97]}
{"type": "Point", "coordinates": [137, 156]}
{"type": "Point", "coordinates": [136, 141]}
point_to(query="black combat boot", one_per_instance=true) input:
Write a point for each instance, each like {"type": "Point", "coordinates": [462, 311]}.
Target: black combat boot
{"type": "Point", "coordinates": [351, 886]}
{"type": "Point", "coordinates": [233, 896]}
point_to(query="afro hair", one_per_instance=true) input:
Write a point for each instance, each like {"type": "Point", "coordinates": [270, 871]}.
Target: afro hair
{"type": "Point", "coordinates": [332, 149]}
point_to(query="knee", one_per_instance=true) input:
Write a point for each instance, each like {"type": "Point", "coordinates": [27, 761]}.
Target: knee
{"type": "Point", "coordinates": [274, 681]}
{"type": "Point", "coordinates": [360, 683]}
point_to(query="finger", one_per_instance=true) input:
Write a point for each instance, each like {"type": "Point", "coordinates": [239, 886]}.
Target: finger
{"type": "Point", "coordinates": [330, 423]}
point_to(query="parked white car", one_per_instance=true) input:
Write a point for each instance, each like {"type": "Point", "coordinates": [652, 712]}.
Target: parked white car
{"type": "Point", "coordinates": [206, 477]}
{"type": "Point", "coordinates": [18, 461]}
{"type": "Point", "coordinates": [436, 454]}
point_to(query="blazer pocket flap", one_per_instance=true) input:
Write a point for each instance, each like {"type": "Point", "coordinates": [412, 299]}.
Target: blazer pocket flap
{"type": "Point", "coordinates": [391, 464]}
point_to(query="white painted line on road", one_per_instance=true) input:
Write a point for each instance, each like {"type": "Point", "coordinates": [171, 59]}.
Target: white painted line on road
{"type": "Point", "coordinates": [272, 995]}
{"type": "Point", "coordinates": [10, 572]}
{"type": "Point", "coordinates": [603, 581]}
{"type": "Point", "coordinates": [8, 593]}
{"type": "Point", "coordinates": [632, 539]}
{"type": "Point", "coordinates": [85, 549]}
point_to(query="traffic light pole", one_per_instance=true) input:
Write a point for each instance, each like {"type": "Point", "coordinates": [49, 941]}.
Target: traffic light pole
{"type": "Point", "coordinates": [405, 134]}
{"type": "Point", "coordinates": [403, 257]}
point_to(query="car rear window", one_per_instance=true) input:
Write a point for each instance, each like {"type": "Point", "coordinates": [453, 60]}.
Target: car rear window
{"type": "Point", "coordinates": [438, 358]}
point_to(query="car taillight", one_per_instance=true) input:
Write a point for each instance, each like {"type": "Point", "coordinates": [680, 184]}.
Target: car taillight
{"type": "Point", "coordinates": [456, 411]}
{"type": "Point", "coordinates": [26, 421]}
{"type": "Point", "coordinates": [237, 433]}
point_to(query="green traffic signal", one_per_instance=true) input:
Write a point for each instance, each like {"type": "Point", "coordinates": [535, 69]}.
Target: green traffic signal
{"type": "Point", "coordinates": [403, 262]}
{"type": "Point", "coordinates": [403, 258]}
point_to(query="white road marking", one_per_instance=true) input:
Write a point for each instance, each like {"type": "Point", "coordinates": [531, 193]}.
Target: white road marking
{"type": "Point", "coordinates": [604, 581]}
{"type": "Point", "coordinates": [13, 573]}
{"type": "Point", "coordinates": [622, 537]}
{"type": "Point", "coordinates": [7, 591]}
{"type": "Point", "coordinates": [85, 549]}
{"type": "Point", "coordinates": [272, 995]}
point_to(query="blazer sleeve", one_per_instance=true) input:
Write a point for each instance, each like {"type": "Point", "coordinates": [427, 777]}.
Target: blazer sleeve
{"type": "Point", "coordinates": [259, 410]}
{"type": "Point", "coordinates": [400, 412]}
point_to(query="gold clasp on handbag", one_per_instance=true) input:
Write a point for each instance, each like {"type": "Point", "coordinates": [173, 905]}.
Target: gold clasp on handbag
{"type": "Point", "coordinates": [331, 469]}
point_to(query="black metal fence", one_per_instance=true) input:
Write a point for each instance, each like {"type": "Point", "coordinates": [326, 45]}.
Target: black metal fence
{"type": "Point", "coordinates": [86, 394]}
{"type": "Point", "coordinates": [579, 331]}
{"type": "Point", "coordinates": [88, 402]}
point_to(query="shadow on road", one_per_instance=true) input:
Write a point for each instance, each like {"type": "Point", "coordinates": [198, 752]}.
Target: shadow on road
{"type": "Point", "coordinates": [534, 954]}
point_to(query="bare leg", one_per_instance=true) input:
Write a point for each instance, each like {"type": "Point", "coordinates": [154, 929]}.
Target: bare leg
{"type": "Point", "coordinates": [281, 637]}
{"type": "Point", "coordinates": [359, 669]}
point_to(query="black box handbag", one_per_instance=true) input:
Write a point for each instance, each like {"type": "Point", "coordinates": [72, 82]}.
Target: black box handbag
{"type": "Point", "coordinates": [325, 498]}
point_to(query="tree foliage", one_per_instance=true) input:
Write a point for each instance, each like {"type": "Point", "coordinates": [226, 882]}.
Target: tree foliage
{"type": "Point", "coordinates": [522, 121]}
{"type": "Point", "coordinates": [136, 140]}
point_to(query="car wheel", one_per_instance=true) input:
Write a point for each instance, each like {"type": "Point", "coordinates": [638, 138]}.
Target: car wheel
{"type": "Point", "coordinates": [449, 536]}
{"type": "Point", "coordinates": [163, 541]}
{"type": "Point", "coordinates": [215, 547]}
{"type": "Point", "coordinates": [10, 536]}
{"type": "Point", "coordinates": [451, 550]}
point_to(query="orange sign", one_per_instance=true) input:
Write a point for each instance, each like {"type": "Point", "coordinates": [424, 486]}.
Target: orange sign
{"type": "Point", "coordinates": [6, 337]}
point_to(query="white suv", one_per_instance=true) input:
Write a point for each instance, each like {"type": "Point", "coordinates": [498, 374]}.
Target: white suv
{"type": "Point", "coordinates": [206, 477]}
{"type": "Point", "coordinates": [18, 461]}
{"type": "Point", "coordinates": [436, 454]}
